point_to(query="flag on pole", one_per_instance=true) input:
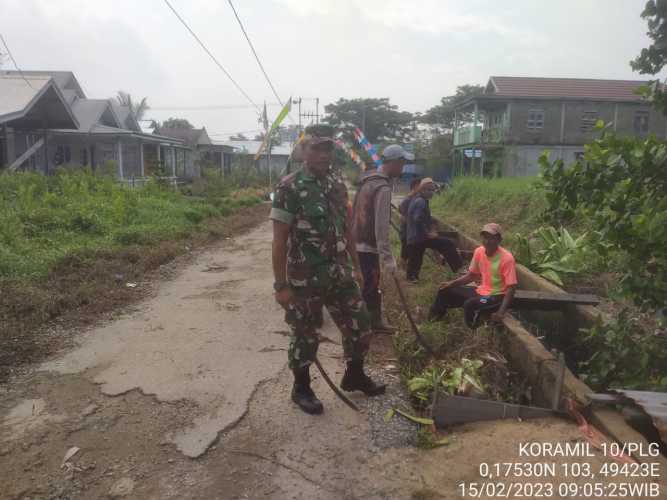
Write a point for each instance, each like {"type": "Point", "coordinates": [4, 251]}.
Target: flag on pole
{"type": "Point", "coordinates": [276, 123]}
{"type": "Point", "coordinates": [265, 119]}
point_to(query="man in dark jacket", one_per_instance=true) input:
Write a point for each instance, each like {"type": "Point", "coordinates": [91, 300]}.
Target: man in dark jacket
{"type": "Point", "coordinates": [403, 211]}
{"type": "Point", "coordinates": [422, 234]}
{"type": "Point", "coordinates": [371, 216]}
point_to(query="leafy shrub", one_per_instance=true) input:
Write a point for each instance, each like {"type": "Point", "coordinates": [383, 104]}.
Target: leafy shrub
{"type": "Point", "coordinates": [623, 355]}
{"type": "Point", "coordinates": [620, 186]}
{"type": "Point", "coordinates": [551, 253]}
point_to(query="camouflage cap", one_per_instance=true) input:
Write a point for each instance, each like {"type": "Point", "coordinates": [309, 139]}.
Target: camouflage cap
{"type": "Point", "coordinates": [317, 134]}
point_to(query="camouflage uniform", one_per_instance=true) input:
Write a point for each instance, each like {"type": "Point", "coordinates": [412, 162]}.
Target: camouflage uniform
{"type": "Point", "coordinates": [319, 268]}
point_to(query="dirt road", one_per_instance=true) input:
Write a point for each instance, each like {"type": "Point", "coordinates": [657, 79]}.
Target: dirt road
{"type": "Point", "coordinates": [186, 396]}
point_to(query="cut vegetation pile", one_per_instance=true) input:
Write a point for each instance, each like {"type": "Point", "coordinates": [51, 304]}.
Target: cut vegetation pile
{"type": "Point", "coordinates": [466, 362]}
{"type": "Point", "coordinates": [76, 240]}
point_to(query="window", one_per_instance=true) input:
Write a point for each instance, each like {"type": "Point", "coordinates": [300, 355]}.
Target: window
{"type": "Point", "coordinates": [84, 156]}
{"type": "Point", "coordinates": [588, 119]}
{"type": "Point", "coordinates": [63, 155]}
{"type": "Point", "coordinates": [535, 119]}
{"type": "Point", "coordinates": [641, 122]}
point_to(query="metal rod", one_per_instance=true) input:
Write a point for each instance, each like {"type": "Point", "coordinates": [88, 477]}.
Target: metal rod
{"type": "Point", "coordinates": [334, 388]}
{"type": "Point", "coordinates": [411, 320]}
{"type": "Point", "coordinates": [555, 404]}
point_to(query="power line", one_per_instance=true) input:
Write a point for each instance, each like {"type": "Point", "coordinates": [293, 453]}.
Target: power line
{"type": "Point", "coordinates": [236, 132]}
{"type": "Point", "coordinates": [9, 53]}
{"type": "Point", "coordinates": [215, 60]}
{"type": "Point", "coordinates": [254, 52]}
{"type": "Point", "coordinates": [208, 107]}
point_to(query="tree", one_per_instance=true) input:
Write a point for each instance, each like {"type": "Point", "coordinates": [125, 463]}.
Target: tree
{"type": "Point", "coordinates": [176, 123]}
{"type": "Point", "coordinates": [651, 60]}
{"type": "Point", "coordinates": [137, 110]}
{"type": "Point", "coordinates": [435, 154]}
{"type": "Point", "coordinates": [377, 117]}
{"type": "Point", "coordinates": [442, 115]}
{"type": "Point", "coordinates": [238, 137]}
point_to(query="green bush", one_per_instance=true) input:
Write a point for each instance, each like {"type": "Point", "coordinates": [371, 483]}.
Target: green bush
{"type": "Point", "coordinates": [622, 354]}
{"type": "Point", "coordinates": [620, 187]}
{"type": "Point", "coordinates": [45, 219]}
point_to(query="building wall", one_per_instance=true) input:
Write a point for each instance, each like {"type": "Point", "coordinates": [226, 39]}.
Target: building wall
{"type": "Point", "coordinates": [523, 160]}
{"type": "Point", "coordinates": [278, 163]}
{"type": "Point", "coordinates": [79, 150]}
{"type": "Point", "coordinates": [519, 132]}
{"type": "Point", "coordinates": [623, 114]}
{"type": "Point", "coordinates": [657, 122]}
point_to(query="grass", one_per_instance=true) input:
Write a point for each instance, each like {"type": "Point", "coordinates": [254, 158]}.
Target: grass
{"type": "Point", "coordinates": [70, 243]}
{"type": "Point", "coordinates": [44, 220]}
{"type": "Point", "coordinates": [515, 203]}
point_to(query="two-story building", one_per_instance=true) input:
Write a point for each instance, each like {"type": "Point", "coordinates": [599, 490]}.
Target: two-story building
{"type": "Point", "coordinates": [506, 129]}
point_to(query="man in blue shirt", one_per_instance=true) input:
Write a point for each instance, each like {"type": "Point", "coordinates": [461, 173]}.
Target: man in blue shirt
{"type": "Point", "coordinates": [422, 234]}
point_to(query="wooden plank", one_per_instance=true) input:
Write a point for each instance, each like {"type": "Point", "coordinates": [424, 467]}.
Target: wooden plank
{"type": "Point", "coordinates": [29, 152]}
{"type": "Point", "coordinates": [531, 299]}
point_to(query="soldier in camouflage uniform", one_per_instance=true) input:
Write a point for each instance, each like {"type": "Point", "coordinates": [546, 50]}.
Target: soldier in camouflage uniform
{"type": "Point", "coordinates": [313, 267]}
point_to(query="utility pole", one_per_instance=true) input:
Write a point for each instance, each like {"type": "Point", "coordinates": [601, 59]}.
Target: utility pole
{"type": "Point", "coordinates": [363, 119]}
{"type": "Point", "coordinates": [308, 115]}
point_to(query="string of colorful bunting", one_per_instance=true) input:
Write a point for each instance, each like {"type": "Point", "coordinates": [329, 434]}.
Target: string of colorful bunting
{"type": "Point", "coordinates": [370, 149]}
{"type": "Point", "coordinates": [352, 154]}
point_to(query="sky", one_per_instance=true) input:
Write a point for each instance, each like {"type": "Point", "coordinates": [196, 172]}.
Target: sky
{"type": "Point", "coordinates": [412, 51]}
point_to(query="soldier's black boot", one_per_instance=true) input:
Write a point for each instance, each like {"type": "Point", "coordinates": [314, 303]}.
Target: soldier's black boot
{"type": "Point", "coordinates": [355, 379]}
{"type": "Point", "coordinates": [302, 394]}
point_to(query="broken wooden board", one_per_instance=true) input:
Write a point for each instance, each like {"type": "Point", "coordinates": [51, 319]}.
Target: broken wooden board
{"type": "Point", "coordinates": [530, 299]}
{"type": "Point", "coordinates": [453, 410]}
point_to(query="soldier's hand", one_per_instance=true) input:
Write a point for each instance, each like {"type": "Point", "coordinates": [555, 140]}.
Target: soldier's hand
{"type": "Point", "coordinates": [284, 297]}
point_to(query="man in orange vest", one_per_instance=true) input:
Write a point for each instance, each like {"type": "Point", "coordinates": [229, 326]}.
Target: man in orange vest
{"type": "Point", "coordinates": [494, 268]}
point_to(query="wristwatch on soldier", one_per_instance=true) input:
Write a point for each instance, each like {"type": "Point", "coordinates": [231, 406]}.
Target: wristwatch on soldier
{"type": "Point", "coordinates": [280, 285]}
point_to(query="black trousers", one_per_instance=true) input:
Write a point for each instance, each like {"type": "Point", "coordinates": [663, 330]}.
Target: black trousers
{"type": "Point", "coordinates": [370, 270]}
{"type": "Point", "coordinates": [444, 246]}
{"type": "Point", "coordinates": [474, 306]}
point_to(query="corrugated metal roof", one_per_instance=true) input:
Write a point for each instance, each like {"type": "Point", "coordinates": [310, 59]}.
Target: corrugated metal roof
{"type": "Point", "coordinates": [70, 96]}
{"type": "Point", "coordinates": [653, 403]}
{"type": "Point", "coordinates": [64, 79]}
{"type": "Point", "coordinates": [191, 136]}
{"type": "Point", "coordinates": [125, 116]}
{"type": "Point", "coordinates": [88, 112]}
{"type": "Point", "coordinates": [251, 147]}
{"type": "Point", "coordinates": [513, 86]}
{"type": "Point", "coordinates": [20, 97]}
{"type": "Point", "coordinates": [16, 94]}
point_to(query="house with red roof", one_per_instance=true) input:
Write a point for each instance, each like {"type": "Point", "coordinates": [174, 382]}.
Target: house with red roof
{"type": "Point", "coordinates": [505, 130]}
